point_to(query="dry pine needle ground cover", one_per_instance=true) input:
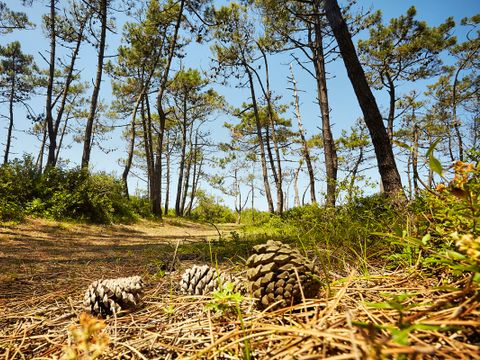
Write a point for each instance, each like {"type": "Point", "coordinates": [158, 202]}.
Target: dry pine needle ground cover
{"type": "Point", "coordinates": [45, 267]}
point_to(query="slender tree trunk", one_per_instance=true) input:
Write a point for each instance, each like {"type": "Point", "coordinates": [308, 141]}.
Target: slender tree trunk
{"type": "Point", "coordinates": [263, 161]}
{"type": "Point", "coordinates": [456, 121]}
{"type": "Point", "coordinates": [51, 75]}
{"type": "Point", "coordinates": [305, 147]}
{"type": "Point", "coordinates": [156, 198]}
{"type": "Point", "coordinates": [87, 145]}
{"type": "Point", "coordinates": [383, 149]}
{"type": "Point", "coordinates": [131, 146]}
{"type": "Point", "coordinates": [277, 170]}
{"type": "Point", "coordinates": [416, 133]}
{"type": "Point", "coordinates": [296, 197]}
{"type": "Point", "coordinates": [60, 140]}
{"type": "Point", "coordinates": [354, 175]}
{"type": "Point", "coordinates": [148, 146]}
{"type": "Point", "coordinates": [187, 173]}
{"type": "Point", "coordinates": [329, 149]}
{"type": "Point", "coordinates": [10, 121]}
{"type": "Point", "coordinates": [41, 152]}
{"type": "Point", "coordinates": [391, 108]}
{"type": "Point", "coordinates": [167, 175]}
{"type": "Point", "coordinates": [197, 171]}
{"type": "Point", "coordinates": [66, 88]}
{"type": "Point", "coordinates": [194, 175]}
{"type": "Point", "coordinates": [181, 167]}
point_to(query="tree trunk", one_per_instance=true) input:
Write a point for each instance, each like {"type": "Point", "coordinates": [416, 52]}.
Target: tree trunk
{"type": "Point", "coordinates": [66, 88]}
{"type": "Point", "coordinates": [10, 121]}
{"type": "Point", "coordinates": [329, 150]}
{"type": "Point", "coordinates": [456, 122]}
{"type": "Point", "coordinates": [305, 148]}
{"type": "Point", "coordinates": [131, 147]}
{"type": "Point", "coordinates": [391, 108]}
{"type": "Point", "coordinates": [263, 161]}
{"type": "Point", "coordinates": [415, 159]}
{"type": "Point", "coordinates": [156, 196]}
{"type": "Point", "coordinates": [383, 149]}
{"type": "Point", "coordinates": [167, 175]}
{"type": "Point", "coordinates": [296, 197]}
{"type": "Point", "coordinates": [87, 145]}
{"type": "Point", "coordinates": [51, 75]}
{"type": "Point", "coordinates": [39, 164]}
{"type": "Point", "coordinates": [181, 167]}
{"type": "Point", "coordinates": [277, 170]}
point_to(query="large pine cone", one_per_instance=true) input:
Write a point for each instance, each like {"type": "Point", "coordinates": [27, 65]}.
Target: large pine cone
{"type": "Point", "coordinates": [108, 297]}
{"type": "Point", "coordinates": [272, 276]}
{"type": "Point", "coordinates": [202, 280]}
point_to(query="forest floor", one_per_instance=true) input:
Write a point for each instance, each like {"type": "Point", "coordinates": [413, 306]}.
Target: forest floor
{"type": "Point", "coordinates": [46, 266]}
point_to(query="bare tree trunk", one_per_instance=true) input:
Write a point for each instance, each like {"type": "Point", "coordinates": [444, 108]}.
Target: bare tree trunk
{"type": "Point", "coordinates": [329, 150]}
{"type": "Point", "coordinates": [51, 75]}
{"type": "Point", "coordinates": [195, 175]}
{"type": "Point", "coordinates": [383, 149]}
{"type": "Point", "coordinates": [305, 148]}
{"type": "Point", "coordinates": [263, 162]}
{"type": "Point", "coordinates": [296, 197]}
{"type": "Point", "coordinates": [87, 145]}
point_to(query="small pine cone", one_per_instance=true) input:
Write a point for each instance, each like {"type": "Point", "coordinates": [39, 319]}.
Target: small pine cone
{"type": "Point", "coordinates": [110, 296]}
{"type": "Point", "coordinates": [272, 277]}
{"type": "Point", "coordinates": [202, 280]}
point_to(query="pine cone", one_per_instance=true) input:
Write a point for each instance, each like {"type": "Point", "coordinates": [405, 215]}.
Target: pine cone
{"type": "Point", "coordinates": [202, 280]}
{"type": "Point", "coordinates": [110, 296]}
{"type": "Point", "coordinates": [272, 276]}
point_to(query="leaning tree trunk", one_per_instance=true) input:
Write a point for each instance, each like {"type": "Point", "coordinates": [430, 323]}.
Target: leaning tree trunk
{"type": "Point", "coordinates": [305, 147]}
{"type": "Point", "coordinates": [87, 144]}
{"type": "Point", "coordinates": [329, 150]}
{"type": "Point", "coordinates": [162, 116]}
{"type": "Point", "coordinates": [263, 160]}
{"type": "Point", "coordinates": [131, 146]}
{"type": "Point", "coordinates": [390, 176]}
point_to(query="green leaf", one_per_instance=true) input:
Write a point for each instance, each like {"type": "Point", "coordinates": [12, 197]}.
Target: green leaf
{"type": "Point", "coordinates": [432, 147]}
{"type": "Point", "coordinates": [435, 165]}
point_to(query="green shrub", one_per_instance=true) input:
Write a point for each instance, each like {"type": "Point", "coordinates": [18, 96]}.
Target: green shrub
{"type": "Point", "coordinates": [209, 210]}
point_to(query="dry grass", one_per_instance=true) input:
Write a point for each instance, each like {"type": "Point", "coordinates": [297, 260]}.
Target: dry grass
{"type": "Point", "coordinates": [40, 305]}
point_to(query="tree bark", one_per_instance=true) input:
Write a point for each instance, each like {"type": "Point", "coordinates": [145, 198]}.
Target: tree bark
{"type": "Point", "coordinates": [305, 147]}
{"type": "Point", "coordinates": [87, 145]}
{"type": "Point", "coordinates": [263, 161]}
{"type": "Point", "coordinates": [131, 146]}
{"type": "Point", "coordinates": [329, 149]}
{"type": "Point", "coordinates": [277, 170]}
{"type": "Point", "coordinates": [383, 149]}
{"type": "Point", "coordinates": [51, 75]}
{"type": "Point", "coordinates": [10, 120]}
{"type": "Point", "coordinates": [157, 188]}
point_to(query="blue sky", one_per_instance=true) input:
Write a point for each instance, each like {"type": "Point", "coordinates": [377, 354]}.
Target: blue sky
{"type": "Point", "coordinates": [345, 109]}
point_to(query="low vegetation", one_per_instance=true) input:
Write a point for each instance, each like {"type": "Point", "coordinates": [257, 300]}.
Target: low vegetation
{"type": "Point", "coordinates": [397, 283]}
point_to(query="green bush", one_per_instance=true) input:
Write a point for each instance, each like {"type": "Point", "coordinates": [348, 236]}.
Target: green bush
{"type": "Point", "coordinates": [63, 194]}
{"type": "Point", "coordinates": [209, 210]}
